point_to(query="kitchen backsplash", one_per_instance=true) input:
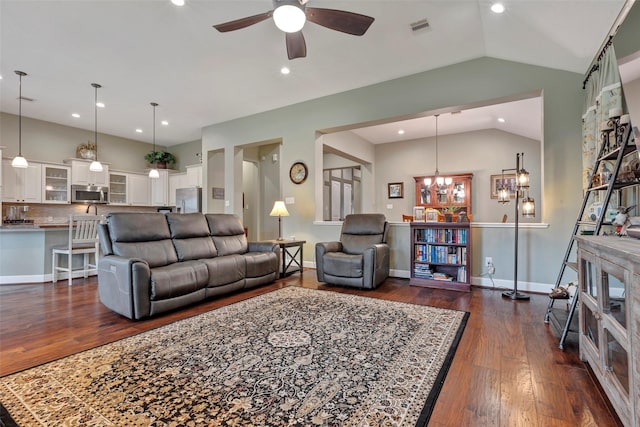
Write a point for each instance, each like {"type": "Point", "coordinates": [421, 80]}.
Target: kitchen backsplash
{"type": "Point", "coordinates": [59, 214]}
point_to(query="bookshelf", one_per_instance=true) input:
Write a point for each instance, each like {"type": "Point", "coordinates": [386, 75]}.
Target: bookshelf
{"type": "Point", "coordinates": [441, 255]}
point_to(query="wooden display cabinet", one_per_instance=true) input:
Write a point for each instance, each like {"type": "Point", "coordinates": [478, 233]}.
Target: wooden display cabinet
{"type": "Point", "coordinates": [609, 324]}
{"type": "Point", "coordinates": [456, 196]}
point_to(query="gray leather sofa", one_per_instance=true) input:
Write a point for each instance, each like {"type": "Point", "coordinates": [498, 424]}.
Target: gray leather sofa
{"type": "Point", "coordinates": [154, 262]}
{"type": "Point", "coordinates": [361, 258]}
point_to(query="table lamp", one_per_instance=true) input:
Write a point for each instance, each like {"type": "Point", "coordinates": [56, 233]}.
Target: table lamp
{"type": "Point", "coordinates": [279, 210]}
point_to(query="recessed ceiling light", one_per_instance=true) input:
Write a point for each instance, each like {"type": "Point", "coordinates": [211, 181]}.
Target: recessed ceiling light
{"type": "Point", "coordinates": [75, 115]}
{"type": "Point", "coordinates": [100, 104]}
{"type": "Point", "coordinates": [401, 132]}
{"type": "Point", "coordinates": [501, 120]}
{"type": "Point", "coordinates": [178, 2]}
{"type": "Point", "coordinates": [164, 123]}
{"type": "Point", "coordinates": [285, 70]}
{"type": "Point", "coordinates": [139, 130]}
{"type": "Point", "coordinates": [497, 8]}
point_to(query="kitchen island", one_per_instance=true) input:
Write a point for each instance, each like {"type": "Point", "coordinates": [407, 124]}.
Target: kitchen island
{"type": "Point", "coordinates": [26, 252]}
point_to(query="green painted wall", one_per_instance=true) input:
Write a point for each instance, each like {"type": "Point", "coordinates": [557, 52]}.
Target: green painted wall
{"type": "Point", "coordinates": [470, 82]}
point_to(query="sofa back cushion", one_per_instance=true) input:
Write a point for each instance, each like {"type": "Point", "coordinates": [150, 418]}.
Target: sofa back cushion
{"type": "Point", "coordinates": [190, 235]}
{"type": "Point", "coordinates": [359, 231]}
{"type": "Point", "coordinates": [227, 233]}
{"type": "Point", "coordinates": [141, 235]}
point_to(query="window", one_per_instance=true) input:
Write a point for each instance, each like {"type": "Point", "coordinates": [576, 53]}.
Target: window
{"type": "Point", "coordinates": [342, 189]}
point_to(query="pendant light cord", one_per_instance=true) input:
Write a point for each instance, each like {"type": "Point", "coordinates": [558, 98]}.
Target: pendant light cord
{"type": "Point", "coordinates": [95, 109]}
{"type": "Point", "coordinates": [437, 171]}
{"type": "Point", "coordinates": [154, 105]}
{"type": "Point", "coordinates": [21, 74]}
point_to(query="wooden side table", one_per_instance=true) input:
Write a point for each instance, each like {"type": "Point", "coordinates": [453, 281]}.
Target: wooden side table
{"type": "Point", "coordinates": [291, 255]}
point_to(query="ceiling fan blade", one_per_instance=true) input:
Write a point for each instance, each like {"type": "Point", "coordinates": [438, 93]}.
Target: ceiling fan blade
{"type": "Point", "coordinates": [296, 47]}
{"type": "Point", "coordinates": [242, 22]}
{"type": "Point", "coordinates": [340, 20]}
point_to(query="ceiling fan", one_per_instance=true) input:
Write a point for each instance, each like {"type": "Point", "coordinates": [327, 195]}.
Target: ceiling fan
{"type": "Point", "coordinates": [290, 16]}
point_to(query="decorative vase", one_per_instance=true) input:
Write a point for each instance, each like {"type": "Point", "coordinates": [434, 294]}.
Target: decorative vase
{"type": "Point", "coordinates": [87, 154]}
{"type": "Point", "coordinates": [448, 217]}
{"type": "Point", "coordinates": [161, 165]}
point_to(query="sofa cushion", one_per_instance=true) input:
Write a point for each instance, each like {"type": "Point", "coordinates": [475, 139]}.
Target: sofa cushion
{"type": "Point", "coordinates": [342, 264]}
{"type": "Point", "coordinates": [225, 270]}
{"type": "Point", "coordinates": [190, 234]}
{"type": "Point", "coordinates": [261, 263]}
{"type": "Point", "coordinates": [227, 233]}
{"type": "Point", "coordinates": [141, 235]}
{"type": "Point", "coordinates": [177, 279]}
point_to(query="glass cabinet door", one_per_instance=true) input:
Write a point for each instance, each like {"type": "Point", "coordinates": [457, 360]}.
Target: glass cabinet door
{"type": "Point", "coordinates": [56, 184]}
{"type": "Point", "coordinates": [118, 188]}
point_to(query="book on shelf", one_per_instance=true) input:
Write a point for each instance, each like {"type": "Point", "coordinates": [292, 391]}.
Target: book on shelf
{"type": "Point", "coordinates": [442, 276]}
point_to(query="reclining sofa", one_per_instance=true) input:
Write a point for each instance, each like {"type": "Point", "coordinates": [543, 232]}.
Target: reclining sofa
{"type": "Point", "coordinates": [155, 262]}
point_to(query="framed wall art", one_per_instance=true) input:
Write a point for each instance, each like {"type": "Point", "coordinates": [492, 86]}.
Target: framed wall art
{"type": "Point", "coordinates": [509, 181]}
{"type": "Point", "coordinates": [395, 190]}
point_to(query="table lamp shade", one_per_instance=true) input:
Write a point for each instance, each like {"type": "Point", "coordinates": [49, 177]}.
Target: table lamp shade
{"type": "Point", "coordinates": [279, 209]}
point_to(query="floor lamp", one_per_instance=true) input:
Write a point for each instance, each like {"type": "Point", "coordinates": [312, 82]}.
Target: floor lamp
{"type": "Point", "coordinates": [528, 210]}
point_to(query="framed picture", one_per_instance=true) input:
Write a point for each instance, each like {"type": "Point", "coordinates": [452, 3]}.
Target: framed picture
{"type": "Point", "coordinates": [509, 181]}
{"type": "Point", "coordinates": [396, 190]}
{"type": "Point", "coordinates": [431, 215]}
{"type": "Point", "coordinates": [418, 213]}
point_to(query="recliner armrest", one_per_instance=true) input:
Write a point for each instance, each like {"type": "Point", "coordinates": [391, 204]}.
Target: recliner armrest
{"type": "Point", "coordinates": [375, 265]}
{"type": "Point", "coordinates": [262, 247]}
{"type": "Point", "coordinates": [321, 249]}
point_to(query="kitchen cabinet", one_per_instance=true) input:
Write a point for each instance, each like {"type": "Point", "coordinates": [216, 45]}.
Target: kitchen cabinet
{"type": "Point", "coordinates": [609, 318]}
{"type": "Point", "coordinates": [56, 184]}
{"type": "Point", "coordinates": [21, 185]}
{"type": "Point", "coordinates": [139, 189]}
{"type": "Point", "coordinates": [194, 176]}
{"type": "Point", "coordinates": [130, 189]}
{"type": "Point", "coordinates": [81, 175]}
{"type": "Point", "coordinates": [160, 189]}
{"type": "Point", "coordinates": [118, 188]}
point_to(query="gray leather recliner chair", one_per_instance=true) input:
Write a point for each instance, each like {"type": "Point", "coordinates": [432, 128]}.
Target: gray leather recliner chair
{"type": "Point", "coordinates": [361, 258]}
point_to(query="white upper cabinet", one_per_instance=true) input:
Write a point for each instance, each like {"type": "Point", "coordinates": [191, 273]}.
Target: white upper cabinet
{"type": "Point", "coordinates": [21, 185]}
{"type": "Point", "coordinates": [81, 175]}
{"type": "Point", "coordinates": [194, 176]}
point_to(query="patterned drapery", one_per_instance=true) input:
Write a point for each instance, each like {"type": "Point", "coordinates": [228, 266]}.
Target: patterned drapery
{"type": "Point", "coordinates": [603, 93]}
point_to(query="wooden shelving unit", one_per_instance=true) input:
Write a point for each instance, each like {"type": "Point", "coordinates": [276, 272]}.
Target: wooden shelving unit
{"type": "Point", "coordinates": [441, 248]}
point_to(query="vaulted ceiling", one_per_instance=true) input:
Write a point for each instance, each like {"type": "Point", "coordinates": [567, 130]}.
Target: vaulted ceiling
{"type": "Point", "coordinates": [144, 51]}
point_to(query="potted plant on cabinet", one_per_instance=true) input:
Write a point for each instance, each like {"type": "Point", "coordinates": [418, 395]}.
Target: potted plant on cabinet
{"type": "Point", "coordinates": [160, 158]}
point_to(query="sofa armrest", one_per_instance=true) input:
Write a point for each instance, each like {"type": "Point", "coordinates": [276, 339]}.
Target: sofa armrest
{"type": "Point", "coordinates": [262, 247]}
{"type": "Point", "coordinates": [321, 249]}
{"type": "Point", "coordinates": [375, 267]}
{"type": "Point", "coordinates": [124, 285]}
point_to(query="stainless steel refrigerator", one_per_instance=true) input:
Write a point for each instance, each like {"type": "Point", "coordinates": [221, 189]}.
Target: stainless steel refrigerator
{"type": "Point", "coordinates": [189, 200]}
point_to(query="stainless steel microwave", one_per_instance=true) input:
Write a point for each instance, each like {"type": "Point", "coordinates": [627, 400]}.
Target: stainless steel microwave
{"type": "Point", "coordinates": [89, 194]}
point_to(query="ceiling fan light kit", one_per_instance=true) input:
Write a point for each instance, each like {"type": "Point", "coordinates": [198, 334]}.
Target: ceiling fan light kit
{"type": "Point", "coordinates": [291, 15]}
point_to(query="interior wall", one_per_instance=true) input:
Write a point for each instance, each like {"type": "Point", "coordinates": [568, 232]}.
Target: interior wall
{"type": "Point", "coordinates": [49, 142]}
{"type": "Point", "coordinates": [458, 153]}
{"type": "Point", "coordinates": [462, 84]}
{"type": "Point", "coordinates": [215, 178]}
{"type": "Point", "coordinates": [270, 189]}
{"type": "Point", "coordinates": [187, 154]}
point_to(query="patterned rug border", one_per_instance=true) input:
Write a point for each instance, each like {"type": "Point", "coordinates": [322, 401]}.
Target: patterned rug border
{"type": "Point", "coordinates": [7, 421]}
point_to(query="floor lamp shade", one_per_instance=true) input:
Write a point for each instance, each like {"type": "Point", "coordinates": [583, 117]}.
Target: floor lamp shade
{"type": "Point", "coordinates": [279, 210]}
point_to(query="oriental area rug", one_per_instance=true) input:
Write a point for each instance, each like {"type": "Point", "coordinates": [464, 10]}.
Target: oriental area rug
{"type": "Point", "coordinates": [291, 357]}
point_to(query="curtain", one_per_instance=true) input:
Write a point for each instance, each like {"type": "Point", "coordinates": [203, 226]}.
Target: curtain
{"type": "Point", "coordinates": [603, 93]}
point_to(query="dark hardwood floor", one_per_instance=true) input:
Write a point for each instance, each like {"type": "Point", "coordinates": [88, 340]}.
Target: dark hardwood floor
{"type": "Point", "coordinates": [508, 370]}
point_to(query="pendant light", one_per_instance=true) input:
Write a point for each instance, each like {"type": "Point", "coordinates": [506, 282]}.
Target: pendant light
{"type": "Point", "coordinates": [153, 173]}
{"type": "Point", "coordinates": [19, 161]}
{"type": "Point", "coordinates": [96, 166]}
{"type": "Point", "coordinates": [440, 181]}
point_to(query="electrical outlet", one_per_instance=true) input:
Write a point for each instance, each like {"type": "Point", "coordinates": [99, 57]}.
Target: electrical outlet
{"type": "Point", "coordinates": [488, 261]}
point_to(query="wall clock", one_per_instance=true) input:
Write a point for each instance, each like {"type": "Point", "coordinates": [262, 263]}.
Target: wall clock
{"type": "Point", "coordinates": [298, 172]}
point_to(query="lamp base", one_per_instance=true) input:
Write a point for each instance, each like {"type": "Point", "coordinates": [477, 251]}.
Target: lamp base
{"type": "Point", "coordinates": [515, 295]}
